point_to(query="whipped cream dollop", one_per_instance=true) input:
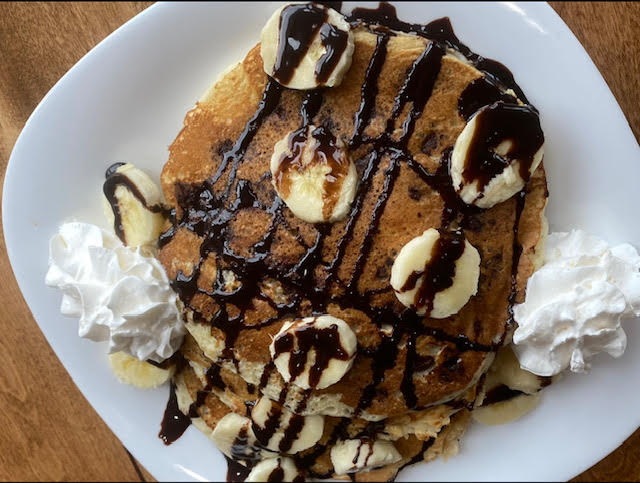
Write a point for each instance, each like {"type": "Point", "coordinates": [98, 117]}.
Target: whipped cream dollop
{"type": "Point", "coordinates": [118, 293]}
{"type": "Point", "coordinates": [575, 304]}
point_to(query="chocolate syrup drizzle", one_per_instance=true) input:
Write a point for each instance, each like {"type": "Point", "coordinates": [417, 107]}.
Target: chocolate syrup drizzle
{"type": "Point", "coordinates": [299, 24]}
{"type": "Point", "coordinates": [174, 422]}
{"type": "Point", "coordinates": [441, 31]}
{"type": "Point", "coordinates": [208, 212]}
{"type": "Point", "coordinates": [236, 471]}
{"type": "Point", "coordinates": [503, 392]}
{"type": "Point", "coordinates": [481, 92]}
{"type": "Point", "coordinates": [335, 42]}
{"type": "Point", "coordinates": [113, 180]}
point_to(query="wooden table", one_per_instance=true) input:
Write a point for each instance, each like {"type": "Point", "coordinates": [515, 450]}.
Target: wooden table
{"type": "Point", "coordinates": [48, 430]}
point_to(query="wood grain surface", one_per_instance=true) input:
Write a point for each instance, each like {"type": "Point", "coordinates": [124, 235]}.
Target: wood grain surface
{"type": "Point", "coordinates": [48, 430]}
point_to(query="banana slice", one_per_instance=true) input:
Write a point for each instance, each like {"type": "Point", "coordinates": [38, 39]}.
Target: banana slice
{"type": "Point", "coordinates": [496, 153]}
{"type": "Point", "coordinates": [306, 46]}
{"type": "Point", "coordinates": [280, 430]}
{"type": "Point", "coordinates": [352, 455]}
{"type": "Point", "coordinates": [133, 205]}
{"type": "Point", "coordinates": [314, 352]}
{"type": "Point", "coordinates": [506, 378]}
{"type": "Point", "coordinates": [275, 469]}
{"type": "Point", "coordinates": [134, 372]}
{"type": "Point", "coordinates": [506, 370]}
{"type": "Point", "coordinates": [313, 175]}
{"type": "Point", "coordinates": [436, 273]}
{"type": "Point", "coordinates": [505, 412]}
{"type": "Point", "coordinates": [235, 438]}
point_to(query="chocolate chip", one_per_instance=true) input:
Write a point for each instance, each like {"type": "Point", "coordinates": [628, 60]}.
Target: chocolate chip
{"type": "Point", "coordinates": [472, 223]}
{"type": "Point", "coordinates": [280, 112]}
{"type": "Point", "coordinates": [415, 193]}
{"type": "Point", "coordinates": [453, 364]}
{"type": "Point", "coordinates": [430, 143]}
{"type": "Point", "coordinates": [382, 273]}
{"type": "Point", "coordinates": [423, 363]}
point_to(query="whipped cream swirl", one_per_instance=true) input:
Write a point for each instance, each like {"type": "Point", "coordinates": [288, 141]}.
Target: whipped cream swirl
{"type": "Point", "coordinates": [575, 304]}
{"type": "Point", "coordinates": [117, 292]}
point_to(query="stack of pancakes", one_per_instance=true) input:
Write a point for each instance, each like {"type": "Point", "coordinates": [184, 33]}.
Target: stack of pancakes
{"type": "Point", "coordinates": [227, 360]}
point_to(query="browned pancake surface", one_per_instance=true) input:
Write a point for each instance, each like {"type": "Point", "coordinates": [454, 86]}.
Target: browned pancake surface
{"type": "Point", "coordinates": [413, 206]}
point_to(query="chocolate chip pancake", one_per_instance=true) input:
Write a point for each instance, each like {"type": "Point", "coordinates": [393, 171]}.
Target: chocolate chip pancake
{"type": "Point", "coordinates": [342, 269]}
{"type": "Point", "coordinates": [246, 267]}
{"type": "Point", "coordinates": [208, 396]}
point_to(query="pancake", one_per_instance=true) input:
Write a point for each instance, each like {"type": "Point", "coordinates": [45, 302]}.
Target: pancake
{"type": "Point", "coordinates": [235, 393]}
{"type": "Point", "coordinates": [443, 441]}
{"type": "Point", "coordinates": [243, 265]}
{"type": "Point", "coordinates": [460, 345]}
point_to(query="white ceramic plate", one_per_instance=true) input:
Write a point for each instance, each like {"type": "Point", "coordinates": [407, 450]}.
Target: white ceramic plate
{"type": "Point", "coordinates": [125, 101]}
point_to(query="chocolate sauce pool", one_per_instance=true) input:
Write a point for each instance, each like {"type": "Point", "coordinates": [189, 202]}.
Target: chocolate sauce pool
{"type": "Point", "coordinates": [208, 212]}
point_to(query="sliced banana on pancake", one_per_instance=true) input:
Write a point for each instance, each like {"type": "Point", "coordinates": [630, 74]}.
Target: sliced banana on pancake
{"type": "Point", "coordinates": [275, 469]}
{"type": "Point", "coordinates": [353, 455]}
{"type": "Point", "coordinates": [235, 438]}
{"type": "Point", "coordinates": [312, 173]}
{"type": "Point", "coordinates": [133, 205]}
{"type": "Point", "coordinates": [306, 46]}
{"type": "Point", "coordinates": [496, 153]}
{"type": "Point", "coordinates": [314, 352]}
{"type": "Point", "coordinates": [278, 429]}
{"type": "Point", "coordinates": [436, 273]}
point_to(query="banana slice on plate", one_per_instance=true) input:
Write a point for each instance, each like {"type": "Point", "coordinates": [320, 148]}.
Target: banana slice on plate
{"type": "Point", "coordinates": [134, 372]}
{"type": "Point", "coordinates": [510, 392]}
{"type": "Point", "coordinates": [505, 412]}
